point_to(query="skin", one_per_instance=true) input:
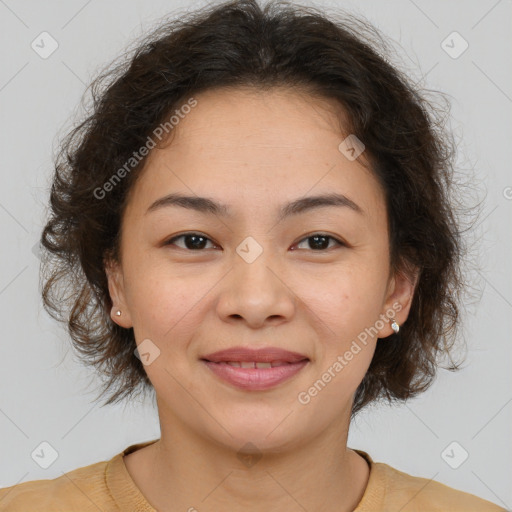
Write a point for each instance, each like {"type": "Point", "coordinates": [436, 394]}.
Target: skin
{"type": "Point", "coordinates": [254, 151]}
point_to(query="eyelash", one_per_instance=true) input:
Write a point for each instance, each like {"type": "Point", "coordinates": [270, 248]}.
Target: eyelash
{"type": "Point", "coordinates": [324, 235]}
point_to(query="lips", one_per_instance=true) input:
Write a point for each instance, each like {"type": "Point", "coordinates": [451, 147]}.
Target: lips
{"type": "Point", "coordinates": [255, 369]}
{"type": "Point", "coordinates": [249, 356]}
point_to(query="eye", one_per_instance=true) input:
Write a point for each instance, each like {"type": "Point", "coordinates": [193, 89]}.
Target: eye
{"type": "Point", "coordinates": [197, 241]}
{"type": "Point", "coordinates": [193, 241]}
{"type": "Point", "coordinates": [320, 241]}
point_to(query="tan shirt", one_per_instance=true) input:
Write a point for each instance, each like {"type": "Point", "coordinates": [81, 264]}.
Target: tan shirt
{"type": "Point", "coordinates": [107, 486]}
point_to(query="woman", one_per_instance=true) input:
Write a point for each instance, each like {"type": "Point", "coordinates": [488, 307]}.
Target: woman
{"type": "Point", "coordinates": [255, 223]}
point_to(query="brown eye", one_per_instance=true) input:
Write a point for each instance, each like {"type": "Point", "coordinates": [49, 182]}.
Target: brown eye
{"type": "Point", "coordinates": [193, 241]}
{"type": "Point", "coordinates": [320, 242]}
{"type": "Point", "coordinates": [197, 241]}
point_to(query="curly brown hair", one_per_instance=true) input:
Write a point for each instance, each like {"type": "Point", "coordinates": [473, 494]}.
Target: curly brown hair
{"type": "Point", "coordinates": [240, 44]}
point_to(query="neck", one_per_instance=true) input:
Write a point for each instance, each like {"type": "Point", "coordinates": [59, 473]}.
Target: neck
{"type": "Point", "coordinates": [185, 471]}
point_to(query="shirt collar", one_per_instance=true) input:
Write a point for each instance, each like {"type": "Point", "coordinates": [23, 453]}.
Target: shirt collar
{"type": "Point", "coordinates": [129, 498]}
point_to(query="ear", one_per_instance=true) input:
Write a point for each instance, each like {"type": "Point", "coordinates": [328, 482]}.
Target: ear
{"type": "Point", "coordinates": [115, 279]}
{"type": "Point", "coordinates": [400, 292]}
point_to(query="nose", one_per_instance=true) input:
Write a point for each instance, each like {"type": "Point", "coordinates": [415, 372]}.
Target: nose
{"type": "Point", "coordinates": [256, 293]}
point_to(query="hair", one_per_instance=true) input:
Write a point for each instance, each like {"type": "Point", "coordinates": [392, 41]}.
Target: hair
{"type": "Point", "coordinates": [240, 44]}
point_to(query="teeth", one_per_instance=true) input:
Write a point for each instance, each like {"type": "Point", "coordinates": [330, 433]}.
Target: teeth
{"type": "Point", "coordinates": [252, 364]}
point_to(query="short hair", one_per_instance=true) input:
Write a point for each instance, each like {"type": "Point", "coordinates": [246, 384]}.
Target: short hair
{"type": "Point", "coordinates": [239, 44]}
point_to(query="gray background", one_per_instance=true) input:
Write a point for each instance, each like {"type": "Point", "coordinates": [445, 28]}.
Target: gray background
{"type": "Point", "coordinates": [47, 396]}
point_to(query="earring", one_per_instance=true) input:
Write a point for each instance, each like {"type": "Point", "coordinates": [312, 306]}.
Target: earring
{"type": "Point", "coordinates": [118, 312]}
{"type": "Point", "coordinates": [395, 326]}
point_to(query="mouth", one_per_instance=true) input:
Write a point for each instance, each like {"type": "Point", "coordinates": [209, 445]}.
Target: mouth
{"type": "Point", "coordinates": [272, 355]}
{"type": "Point", "coordinates": [253, 364]}
{"type": "Point", "coordinates": [255, 369]}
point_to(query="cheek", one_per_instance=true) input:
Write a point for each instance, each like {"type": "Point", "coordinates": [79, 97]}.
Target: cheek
{"type": "Point", "coordinates": [344, 310]}
{"type": "Point", "coordinates": [346, 300]}
{"type": "Point", "coordinates": [162, 305]}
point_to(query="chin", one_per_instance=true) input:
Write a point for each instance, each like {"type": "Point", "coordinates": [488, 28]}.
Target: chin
{"type": "Point", "coordinates": [260, 437]}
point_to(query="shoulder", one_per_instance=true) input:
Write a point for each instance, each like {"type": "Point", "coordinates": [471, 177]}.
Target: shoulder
{"type": "Point", "coordinates": [82, 489]}
{"type": "Point", "coordinates": [416, 494]}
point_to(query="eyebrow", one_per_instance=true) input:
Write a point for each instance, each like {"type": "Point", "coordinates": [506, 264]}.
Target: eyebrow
{"type": "Point", "coordinates": [209, 206]}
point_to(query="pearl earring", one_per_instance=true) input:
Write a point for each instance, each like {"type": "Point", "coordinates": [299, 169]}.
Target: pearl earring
{"type": "Point", "coordinates": [118, 312]}
{"type": "Point", "coordinates": [395, 326]}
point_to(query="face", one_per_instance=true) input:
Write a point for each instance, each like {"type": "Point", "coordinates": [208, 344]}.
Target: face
{"type": "Point", "coordinates": [311, 280]}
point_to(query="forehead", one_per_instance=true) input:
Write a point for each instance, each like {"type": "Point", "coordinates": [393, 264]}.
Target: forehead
{"type": "Point", "coordinates": [279, 118]}
{"type": "Point", "coordinates": [247, 144]}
